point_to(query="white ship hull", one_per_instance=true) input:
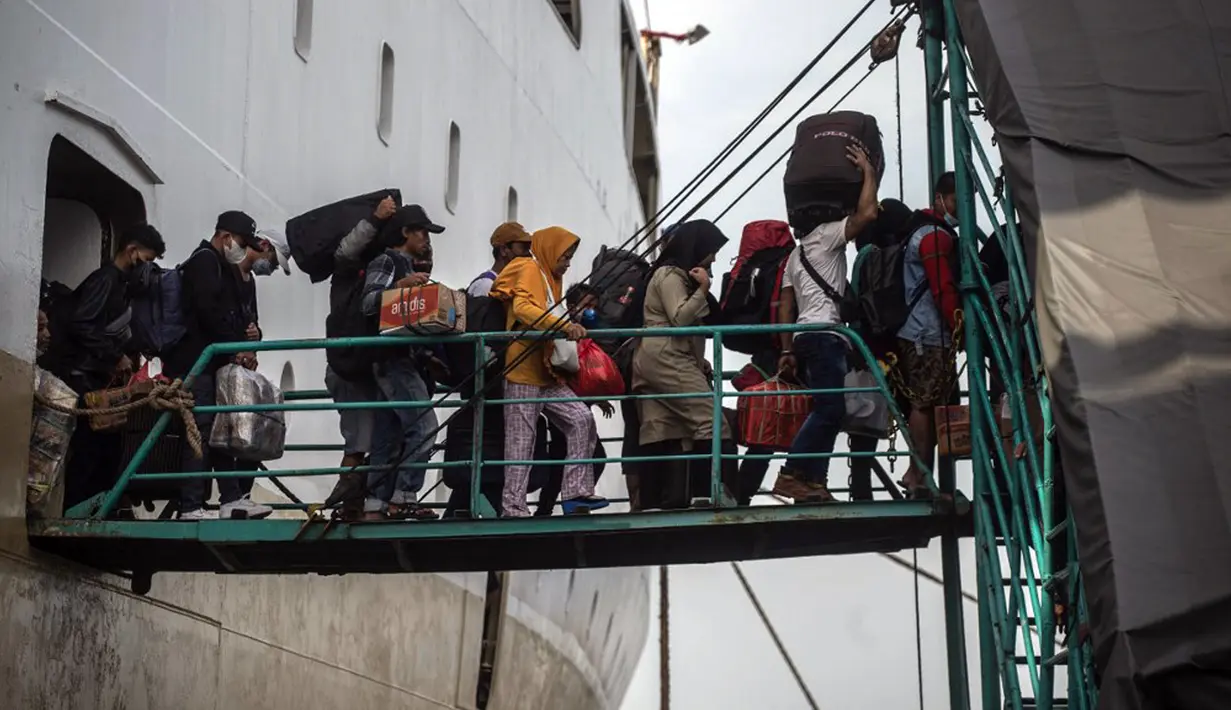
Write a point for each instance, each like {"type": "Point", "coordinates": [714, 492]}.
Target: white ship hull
{"type": "Point", "coordinates": [176, 111]}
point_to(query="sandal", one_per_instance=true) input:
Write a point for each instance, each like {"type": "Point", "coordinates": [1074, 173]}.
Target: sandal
{"type": "Point", "coordinates": [409, 511]}
{"type": "Point", "coordinates": [584, 505]}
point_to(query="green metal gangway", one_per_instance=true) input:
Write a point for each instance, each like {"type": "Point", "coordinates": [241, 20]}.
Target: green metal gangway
{"type": "Point", "coordinates": [312, 544]}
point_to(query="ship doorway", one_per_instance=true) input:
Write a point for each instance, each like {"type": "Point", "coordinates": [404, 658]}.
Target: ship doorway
{"type": "Point", "coordinates": [493, 620]}
{"type": "Point", "coordinates": [86, 205]}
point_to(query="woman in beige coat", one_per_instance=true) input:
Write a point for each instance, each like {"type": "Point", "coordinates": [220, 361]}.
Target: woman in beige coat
{"type": "Point", "coordinates": [677, 295]}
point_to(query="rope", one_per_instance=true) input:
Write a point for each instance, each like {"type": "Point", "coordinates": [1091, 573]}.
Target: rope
{"type": "Point", "coordinates": [897, 90]}
{"type": "Point", "coordinates": [168, 397]}
{"type": "Point", "coordinates": [756, 603]}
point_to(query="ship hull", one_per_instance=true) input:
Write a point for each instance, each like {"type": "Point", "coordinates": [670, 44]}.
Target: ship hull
{"type": "Point", "coordinates": [175, 112]}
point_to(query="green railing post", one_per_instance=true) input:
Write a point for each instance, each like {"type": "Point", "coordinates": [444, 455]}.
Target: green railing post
{"type": "Point", "coordinates": [476, 443]}
{"type": "Point", "coordinates": [959, 687]}
{"type": "Point", "coordinates": [716, 436]}
{"type": "Point", "coordinates": [933, 62]}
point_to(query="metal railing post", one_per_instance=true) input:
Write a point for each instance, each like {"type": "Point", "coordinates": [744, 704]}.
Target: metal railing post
{"type": "Point", "coordinates": [476, 443]}
{"type": "Point", "coordinates": [716, 438]}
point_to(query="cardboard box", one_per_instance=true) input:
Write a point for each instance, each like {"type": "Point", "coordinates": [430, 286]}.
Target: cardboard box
{"type": "Point", "coordinates": [953, 430]}
{"type": "Point", "coordinates": [423, 310]}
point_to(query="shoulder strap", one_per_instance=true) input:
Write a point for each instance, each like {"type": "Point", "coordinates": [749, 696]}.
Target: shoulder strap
{"type": "Point", "coordinates": [485, 275]}
{"type": "Point", "coordinates": [820, 281]}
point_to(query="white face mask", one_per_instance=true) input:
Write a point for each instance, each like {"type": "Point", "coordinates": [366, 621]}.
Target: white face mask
{"type": "Point", "coordinates": [233, 252]}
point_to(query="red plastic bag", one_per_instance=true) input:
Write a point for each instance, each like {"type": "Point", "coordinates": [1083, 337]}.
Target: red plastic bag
{"type": "Point", "coordinates": [598, 376]}
{"type": "Point", "coordinates": [773, 420]}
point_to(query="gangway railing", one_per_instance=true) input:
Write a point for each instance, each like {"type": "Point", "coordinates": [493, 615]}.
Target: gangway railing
{"type": "Point", "coordinates": [721, 531]}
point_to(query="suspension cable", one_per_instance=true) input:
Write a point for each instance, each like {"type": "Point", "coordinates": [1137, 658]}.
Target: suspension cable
{"type": "Point", "coordinates": [773, 634]}
{"type": "Point", "coordinates": [897, 96]}
{"type": "Point", "coordinates": [635, 241]}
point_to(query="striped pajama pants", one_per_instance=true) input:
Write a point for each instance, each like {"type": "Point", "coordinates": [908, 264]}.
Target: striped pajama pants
{"type": "Point", "coordinates": [574, 419]}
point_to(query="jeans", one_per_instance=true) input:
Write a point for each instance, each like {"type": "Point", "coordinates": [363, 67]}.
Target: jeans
{"type": "Point", "coordinates": [820, 360]}
{"type": "Point", "coordinates": [194, 492]}
{"type": "Point", "coordinates": [400, 434]}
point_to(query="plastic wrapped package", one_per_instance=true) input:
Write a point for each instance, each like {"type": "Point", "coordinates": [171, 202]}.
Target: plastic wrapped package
{"type": "Point", "coordinates": [250, 436]}
{"type": "Point", "coordinates": [50, 434]}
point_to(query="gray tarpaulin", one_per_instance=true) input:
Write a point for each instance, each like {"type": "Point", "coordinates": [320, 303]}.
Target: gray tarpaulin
{"type": "Point", "coordinates": [1114, 123]}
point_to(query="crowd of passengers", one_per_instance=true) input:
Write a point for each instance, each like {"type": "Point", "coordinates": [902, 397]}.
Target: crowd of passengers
{"type": "Point", "coordinates": [84, 339]}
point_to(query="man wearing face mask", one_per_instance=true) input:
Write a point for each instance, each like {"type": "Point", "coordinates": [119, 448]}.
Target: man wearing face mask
{"type": "Point", "coordinates": [925, 342]}
{"type": "Point", "coordinates": [267, 253]}
{"type": "Point", "coordinates": [89, 354]}
{"type": "Point", "coordinates": [213, 313]}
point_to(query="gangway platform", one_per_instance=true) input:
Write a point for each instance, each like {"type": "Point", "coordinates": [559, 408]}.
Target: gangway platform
{"type": "Point", "coordinates": [288, 546]}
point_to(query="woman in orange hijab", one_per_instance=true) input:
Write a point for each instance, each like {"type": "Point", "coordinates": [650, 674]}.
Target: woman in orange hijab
{"type": "Point", "coordinates": [531, 288]}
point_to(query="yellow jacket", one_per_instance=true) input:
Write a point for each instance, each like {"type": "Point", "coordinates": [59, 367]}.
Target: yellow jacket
{"type": "Point", "coordinates": [522, 285]}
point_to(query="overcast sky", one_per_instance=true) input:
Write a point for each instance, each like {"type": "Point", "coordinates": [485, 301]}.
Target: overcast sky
{"type": "Point", "coordinates": [848, 622]}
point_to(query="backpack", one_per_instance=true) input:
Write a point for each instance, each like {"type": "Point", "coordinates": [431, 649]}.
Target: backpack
{"type": "Point", "coordinates": [157, 312]}
{"type": "Point", "coordinates": [878, 286]}
{"type": "Point", "coordinates": [313, 236]}
{"type": "Point", "coordinates": [750, 291]}
{"type": "Point", "coordinates": [346, 319]}
{"type": "Point", "coordinates": [618, 274]}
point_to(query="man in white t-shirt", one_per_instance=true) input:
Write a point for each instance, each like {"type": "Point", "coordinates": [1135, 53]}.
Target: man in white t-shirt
{"type": "Point", "coordinates": [812, 287]}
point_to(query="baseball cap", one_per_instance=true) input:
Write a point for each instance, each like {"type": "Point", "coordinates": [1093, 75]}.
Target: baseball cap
{"type": "Point", "coordinates": [237, 223]}
{"type": "Point", "coordinates": [509, 233]}
{"type": "Point", "coordinates": [416, 216]}
{"type": "Point", "coordinates": [281, 248]}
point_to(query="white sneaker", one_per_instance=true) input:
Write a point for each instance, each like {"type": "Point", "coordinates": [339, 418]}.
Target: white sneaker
{"type": "Point", "coordinates": [245, 509]}
{"type": "Point", "coordinates": [193, 516]}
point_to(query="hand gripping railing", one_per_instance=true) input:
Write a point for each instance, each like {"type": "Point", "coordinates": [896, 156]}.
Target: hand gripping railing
{"type": "Point", "coordinates": [101, 506]}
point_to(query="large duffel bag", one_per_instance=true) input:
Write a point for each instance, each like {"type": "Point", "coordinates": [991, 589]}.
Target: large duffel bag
{"type": "Point", "coordinates": [314, 236]}
{"type": "Point", "coordinates": [821, 184]}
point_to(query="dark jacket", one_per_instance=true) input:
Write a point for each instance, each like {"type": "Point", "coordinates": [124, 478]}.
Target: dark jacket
{"type": "Point", "coordinates": [96, 324]}
{"type": "Point", "coordinates": [212, 311]}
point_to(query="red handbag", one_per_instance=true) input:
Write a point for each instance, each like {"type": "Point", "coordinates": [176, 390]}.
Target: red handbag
{"type": "Point", "coordinates": [773, 420]}
{"type": "Point", "coordinates": [598, 375]}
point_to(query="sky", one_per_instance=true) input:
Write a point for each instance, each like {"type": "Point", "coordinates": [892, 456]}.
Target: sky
{"type": "Point", "coordinates": [848, 622]}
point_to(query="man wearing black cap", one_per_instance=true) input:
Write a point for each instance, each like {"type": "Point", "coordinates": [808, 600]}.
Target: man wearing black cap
{"type": "Point", "coordinates": [400, 433]}
{"type": "Point", "coordinates": [213, 313]}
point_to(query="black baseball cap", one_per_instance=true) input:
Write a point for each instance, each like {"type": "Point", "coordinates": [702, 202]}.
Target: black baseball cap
{"type": "Point", "coordinates": [237, 223]}
{"type": "Point", "coordinates": [414, 216]}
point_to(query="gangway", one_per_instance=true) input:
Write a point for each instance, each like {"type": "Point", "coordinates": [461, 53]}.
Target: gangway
{"type": "Point", "coordinates": [721, 532]}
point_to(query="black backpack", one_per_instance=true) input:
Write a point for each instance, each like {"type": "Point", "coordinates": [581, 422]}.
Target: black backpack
{"type": "Point", "coordinates": [314, 236]}
{"type": "Point", "coordinates": [751, 289]}
{"type": "Point", "coordinates": [620, 277]}
{"type": "Point", "coordinates": [618, 274]}
{"type": "Point", "coordinates": [881, 304]}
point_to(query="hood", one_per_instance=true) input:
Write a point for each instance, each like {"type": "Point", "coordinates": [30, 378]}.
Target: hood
{"type": "Point", "coordinates": [548, 245]}
{"type": "Point", "coordinates": [690, 243]}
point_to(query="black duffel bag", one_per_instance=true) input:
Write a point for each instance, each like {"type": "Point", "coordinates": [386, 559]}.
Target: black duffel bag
{"type": "Point", "coordinates": [821, 184]}
{"type": "Point", "coordinates": [314, 236]}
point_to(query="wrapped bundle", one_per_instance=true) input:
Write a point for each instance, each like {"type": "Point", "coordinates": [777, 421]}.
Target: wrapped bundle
{"type": "Point", "coordinates": [250, 436]}
{"type": "Point", "coordinates": [50, 434]}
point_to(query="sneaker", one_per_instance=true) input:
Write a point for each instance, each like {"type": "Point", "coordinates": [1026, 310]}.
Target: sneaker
{"type": "Point", "coordinates": [199, 514]}
{"type": "Point", "coordinates": [244, 509]}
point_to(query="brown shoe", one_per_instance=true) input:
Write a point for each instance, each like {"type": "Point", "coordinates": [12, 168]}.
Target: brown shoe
{"type": "Point", "coordinates": [788, 486]}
